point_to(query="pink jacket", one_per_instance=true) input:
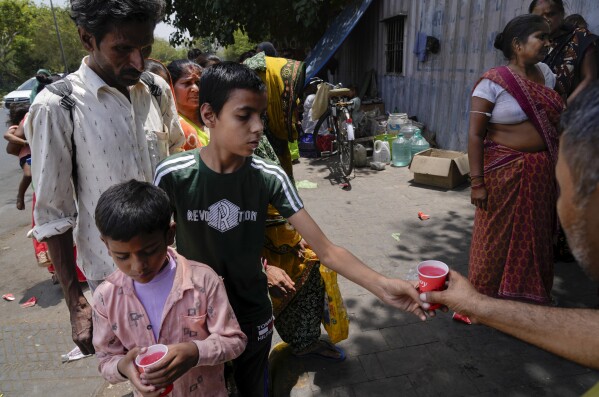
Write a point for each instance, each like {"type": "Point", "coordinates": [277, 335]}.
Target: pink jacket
{"type": "Point", "coordinates": [197, 310]}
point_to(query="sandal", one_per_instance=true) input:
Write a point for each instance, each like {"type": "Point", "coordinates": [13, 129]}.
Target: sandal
{"type": "Point", "coordinates": [323, 349]}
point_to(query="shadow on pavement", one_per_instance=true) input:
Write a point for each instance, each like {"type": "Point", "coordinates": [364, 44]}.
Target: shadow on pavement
{"type": "Point", "coordinates": [47, 294]}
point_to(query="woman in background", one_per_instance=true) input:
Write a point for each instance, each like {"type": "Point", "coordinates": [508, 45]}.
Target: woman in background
{"type": "Point", "coordinates": [512, 149]}
{"type": "Point", "coordinates": [185, 75]}
{"type": "Point", "coordinates": [572, 53]}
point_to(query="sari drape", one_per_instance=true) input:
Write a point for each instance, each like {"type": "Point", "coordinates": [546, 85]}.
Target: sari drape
{"type": "Point", "coordinates": [284, 80]}
{"type": "Point", "coordinates": [511, 254]}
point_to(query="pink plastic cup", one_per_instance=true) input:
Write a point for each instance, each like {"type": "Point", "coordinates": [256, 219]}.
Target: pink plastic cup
{"type": "Point", "coordinates": [153, 354]}
{"type": "Point", "coordinates": [432, 276]}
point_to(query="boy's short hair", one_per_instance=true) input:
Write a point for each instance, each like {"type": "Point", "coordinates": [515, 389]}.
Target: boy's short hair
{"type": "Point", "coordinates": [219, 80]}
{"type": "Point", "coordinates": [131, 208]}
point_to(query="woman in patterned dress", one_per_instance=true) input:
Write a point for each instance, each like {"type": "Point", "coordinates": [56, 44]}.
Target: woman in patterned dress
{"type": "Point", "coordinates": [512, 150]}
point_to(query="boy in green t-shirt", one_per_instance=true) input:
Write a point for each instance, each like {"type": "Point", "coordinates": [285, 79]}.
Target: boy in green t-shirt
{"type": "Point", "coordinates": [220, 194]}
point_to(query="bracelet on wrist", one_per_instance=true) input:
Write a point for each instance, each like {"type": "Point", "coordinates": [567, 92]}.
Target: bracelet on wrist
{"type": "Point", "coordinates": [477, 186]}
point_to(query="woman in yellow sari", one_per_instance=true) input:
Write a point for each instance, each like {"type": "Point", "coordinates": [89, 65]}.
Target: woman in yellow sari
{"type": "Point", "coordinates": [284, 80]}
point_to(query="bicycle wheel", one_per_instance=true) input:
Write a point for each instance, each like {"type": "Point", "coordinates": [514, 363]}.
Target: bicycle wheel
{"type": "Point", "coordinates": [345, 146]}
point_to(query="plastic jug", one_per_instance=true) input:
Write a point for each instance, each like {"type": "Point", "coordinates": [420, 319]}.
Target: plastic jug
{"type": "Point", "coordinates": [418, 142]}
{"type": "Point", "coordinates": [359, 155]}
{"type": "Point", "coordinates": [381, 153]}
{"type": "Point", "coordinates": [402, 154]}
{"type": "Point", "coordinates": [408, 129]}
{"type": "Point", "coordinates": [395, 121]}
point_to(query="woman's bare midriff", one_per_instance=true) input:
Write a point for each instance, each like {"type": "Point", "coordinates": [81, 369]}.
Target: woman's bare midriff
{"type": "Point", "coordinates": [523, 137]}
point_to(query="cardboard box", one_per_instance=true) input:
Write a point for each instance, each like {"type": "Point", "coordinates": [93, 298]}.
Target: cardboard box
{"type": "Point", "coordinates": [441, 168]}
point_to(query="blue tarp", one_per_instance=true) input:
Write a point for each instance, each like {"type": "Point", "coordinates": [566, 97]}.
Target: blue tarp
{"type": "Point", "coordinates": [335, 35]}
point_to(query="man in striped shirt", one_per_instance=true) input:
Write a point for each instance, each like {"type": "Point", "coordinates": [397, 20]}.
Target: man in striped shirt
{"type": "Point", "coordinates": [220, 195]}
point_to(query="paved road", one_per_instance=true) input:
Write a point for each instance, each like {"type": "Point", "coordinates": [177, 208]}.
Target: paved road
{"type": "Point", "coordinates": [389, 353]}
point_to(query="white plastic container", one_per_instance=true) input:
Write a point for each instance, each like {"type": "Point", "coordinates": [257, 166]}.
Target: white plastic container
{"type": "Point", "coordinates": [381, 153]}
{"type": "Point", "coordinates": [395, 121]}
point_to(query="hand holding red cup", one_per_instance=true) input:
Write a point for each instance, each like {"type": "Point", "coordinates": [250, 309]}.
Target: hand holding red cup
{"type": "Point", "coordinates": [432, 276]}
{"type": "Point", "coordinates": [153, 355]}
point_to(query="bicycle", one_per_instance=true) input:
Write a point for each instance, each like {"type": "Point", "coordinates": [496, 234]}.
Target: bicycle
{"type": "Point", "coordinates": [338, 117]}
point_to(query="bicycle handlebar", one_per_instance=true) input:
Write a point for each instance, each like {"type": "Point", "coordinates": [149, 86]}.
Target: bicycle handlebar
{"type": "Point", "coordinates": [318, 80]}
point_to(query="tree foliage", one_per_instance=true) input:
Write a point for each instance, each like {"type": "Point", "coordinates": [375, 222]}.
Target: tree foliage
{"type": "Point", "coordinates": [241, 45]}
{"type": "Point", "coordinates": [45, 49]}
{"type": "Point", "coordinates": [15, 27]}
{"type": "Point", "coordinates": [28, 41]}
{"type": "Point", "coordinates": [163, 51]}
{"type": "Point", "coordinates": [290, 23]}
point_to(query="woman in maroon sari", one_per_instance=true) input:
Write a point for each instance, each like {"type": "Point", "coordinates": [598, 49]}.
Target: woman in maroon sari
{"type": "Point", "coordinates": [513, 150]}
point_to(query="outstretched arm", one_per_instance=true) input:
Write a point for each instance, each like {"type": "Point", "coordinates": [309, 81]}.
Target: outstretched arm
{"type": "Point", "coordinates": [395, 292]}
{"type": "Point", "coordinates": [570, 333]}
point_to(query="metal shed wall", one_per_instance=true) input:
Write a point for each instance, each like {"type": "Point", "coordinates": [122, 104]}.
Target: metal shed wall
{"type": "Point", "coordinates": [437, 91]}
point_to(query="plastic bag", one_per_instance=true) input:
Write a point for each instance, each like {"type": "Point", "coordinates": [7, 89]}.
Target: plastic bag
{"type": "Point", "coordinates": [334, 317]}
{"type": "Point", "coordinates": [321, 102]}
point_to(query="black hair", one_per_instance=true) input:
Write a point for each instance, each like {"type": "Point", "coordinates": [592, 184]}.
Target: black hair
{"type": "Point", "coordinates": [157, 67]}
{"type": "Point", "coordinates": [580, 141]}
{"type": "Point", "coordinates": [246, 55]}
{"type": "Point", "coordinates": [131, 208]}
{"type": "Point", "coordinates": [206, 60]}
{"type": "Point", "coordinates": [268, 48]}
{"type": "Point", "coordinates": [193, 54]}
{"type": "Point", "coordinates": [98, 17]}
{"type": "Point", "coordinates": [180, 66]}
{"type": "Point", "coordinates": [519, 29]}
{"type": "Point", "coordinates": [43, 81]}
{"type": "Point", "coordinates": [576, 21]}
{"type": "Point", "coordinates": [17, 113]}
{"type": "Point", "coordinates": [218, 81]}
{"type": "Point", "coordinates": [557, 3]}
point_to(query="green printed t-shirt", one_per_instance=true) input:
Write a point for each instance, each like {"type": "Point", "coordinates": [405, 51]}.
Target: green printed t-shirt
{"type": "Point", "coordinates": [221, 221]}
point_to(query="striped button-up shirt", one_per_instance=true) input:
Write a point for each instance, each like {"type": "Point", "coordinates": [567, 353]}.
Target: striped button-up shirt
{"type": "Point", "coordinates": [109, 133]}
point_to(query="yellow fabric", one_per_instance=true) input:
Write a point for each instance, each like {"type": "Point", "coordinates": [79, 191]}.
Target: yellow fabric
{"type": "Point", "coordinates": [275, 87]}
{"type": "Point", "coordinates": [203, 136]}
{"type": "Point", "coordinates": [280, 251]}
{"type": "Point", "coordinates": [593, 392]}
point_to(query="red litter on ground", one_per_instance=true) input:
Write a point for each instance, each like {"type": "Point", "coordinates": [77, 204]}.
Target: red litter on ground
{"type": "Point", "coordinates": [423, 216]}
{"type": "Point", "coordinates": [461, 318]}
{"type": "Point", "coordinates": [8, 297]}
{"type": "Point", "coordinates": [30, 302]}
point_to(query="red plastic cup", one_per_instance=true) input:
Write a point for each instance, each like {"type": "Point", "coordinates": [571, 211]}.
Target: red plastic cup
{"type": "Point", "coordinates": [432, 276]}
{"type": "Point", "coordinates": [153, 355]}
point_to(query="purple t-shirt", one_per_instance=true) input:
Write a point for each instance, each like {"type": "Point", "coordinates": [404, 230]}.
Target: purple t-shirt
{"type": "Point", "coordinates": [153, 294]}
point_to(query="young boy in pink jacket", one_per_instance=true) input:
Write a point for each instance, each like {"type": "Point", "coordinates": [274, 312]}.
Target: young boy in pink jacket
{"type": "Point", "coordinates": [158, 296]}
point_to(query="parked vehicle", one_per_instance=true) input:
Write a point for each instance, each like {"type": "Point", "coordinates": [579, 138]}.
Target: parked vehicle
{"type": "Point", "coordinates": [21, 94]}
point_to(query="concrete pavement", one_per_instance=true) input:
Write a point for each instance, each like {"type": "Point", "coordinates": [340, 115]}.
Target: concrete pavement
{"type": "Point", "coordinates": [389, 353]}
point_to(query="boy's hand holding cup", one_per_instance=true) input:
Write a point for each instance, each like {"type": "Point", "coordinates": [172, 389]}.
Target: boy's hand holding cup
{"type": "Point", "coordinates": [152, 356]}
